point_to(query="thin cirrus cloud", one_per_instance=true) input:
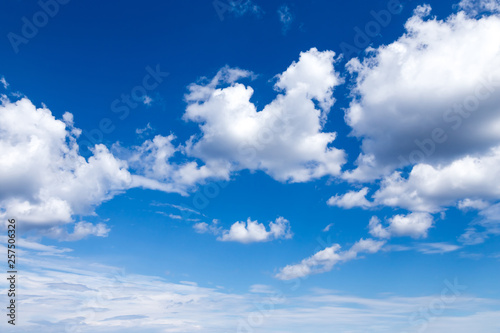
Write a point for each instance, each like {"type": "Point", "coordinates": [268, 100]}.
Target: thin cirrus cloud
{"type": "Point", "coordinates": [415, 225]}
{"type": "Point", "coordinates": [104, 299]}
{"type": "Point", "coordinates": [285, 138]}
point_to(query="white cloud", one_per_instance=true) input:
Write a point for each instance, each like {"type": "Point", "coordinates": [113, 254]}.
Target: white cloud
{"type": "Point", "coordinates": [487, 223]}
{"type": "Point", "coordinates": [153, 161]}
{"type": "Point", "coordinates": [415, 225]}
{"type": "Point", "coordinates": [81, 230]}
{"type": "Point", "coordinates": [286, 18]}
{"type": "Point", "coordinates": [247, 232]}
{"type": "Point", "coordinates": [376, 228]}
{"type": "Point", "coordinates": [90, 297]}
{"type": "Point", "coordinates": [252, 231]}
{"type": "Point", "coordinates": [262, 289]}
{"type": "Point", "coordinates": [475, 7]}
{"type": "Point", "coordinates": [146, 129]}
{"type": "Point", "coordinates": [428, 188]}
{"type": "Point", "coordinates": [147, 100]}
{"type": "Point", "coordinates": [431, 96]}
{"type": "Point", "coordinates": [351, 199]}
{"type": "Point", "coordinates": [4, 82]}
{"type": "Point", "coordinates": [285, 139]}
{"type": "Point", "coordinates": [430, 100]}
{"type": "Point", "coordinates": [437, 248]}
{"type": "Point", "coordinates": [325, 260]}
{"type": "Point", "coordinates": [201, 227]}
{"type": "Point", "coordinates": [172, 216]}
{"type": "Point", "coordinates": [24, 244]}
{"type": "Point", "coordinates": [328, 227]}
{"type": "Point", "coordinates": [204, 228]}
{"type": "Point", "coordinates": [44, 179]}
{"type": "Point", "coordinates": [472, 237]}
{"type": "Point", "coordinates": [242, 7]}
{"type": "Point", "coordinates": [472, 204]}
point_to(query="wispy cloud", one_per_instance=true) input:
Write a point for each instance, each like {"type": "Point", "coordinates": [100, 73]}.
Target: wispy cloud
{"type": "Point", "coordinates": [286, 18]}
{"type": "Point", "coordinates": [325, 260]}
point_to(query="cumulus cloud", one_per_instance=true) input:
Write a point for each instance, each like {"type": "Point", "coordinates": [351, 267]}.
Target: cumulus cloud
{"type": "Point", "coordinates": [242, 7]}
{"type": "Point", "coordinates": [144, 130]}
{"type": "Point", "coordinates": [247, 232]}
{"type": "Point", "coordinates": [44, 179]}
{"type": "Point", "coordinates": [486, 224]}
{"type": "Point", "coordinates": [351, 199]}
{"type": "Point", "coordinates": [285, 139]}
{"type": "Point", "coordinates": [415, 225]}
{"type": "Point", "coordinates": [325, 260]}
{"type": "Point", "coordinates": [431, 96]}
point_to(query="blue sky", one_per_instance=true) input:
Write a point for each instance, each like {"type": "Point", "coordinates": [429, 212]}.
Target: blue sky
{"type": "Point", "coordinates": [251, 166]}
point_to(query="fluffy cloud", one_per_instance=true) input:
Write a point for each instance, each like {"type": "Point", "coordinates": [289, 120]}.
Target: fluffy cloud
{"type": "Point", "coordinates": [351, 199]}
{"type": "Point", "coordinates": [428, 188]}
{"type": "Point", "coordinates": [431, 96]}
{"type": "Point", "coordinates": [153, 162]}
{"type": "Point", "coordinates": [415, 225]}
{"type": "Point", "coordinates": [488, 223]}
{"type": "Point", "coordinates": [285, 139]}
{"type": "Point", "coordinates": [204, 228]}
{"type": "Point", "coordinates": [242, 7]}
{"type": "Point", "coordinates": [247, 232]}
{"type": "Point", "coordinates": [44, 179]}
{"type": "Point", "coordinates": [437, 248]}
{"type": "Point", "coordinates": [325, 260]}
